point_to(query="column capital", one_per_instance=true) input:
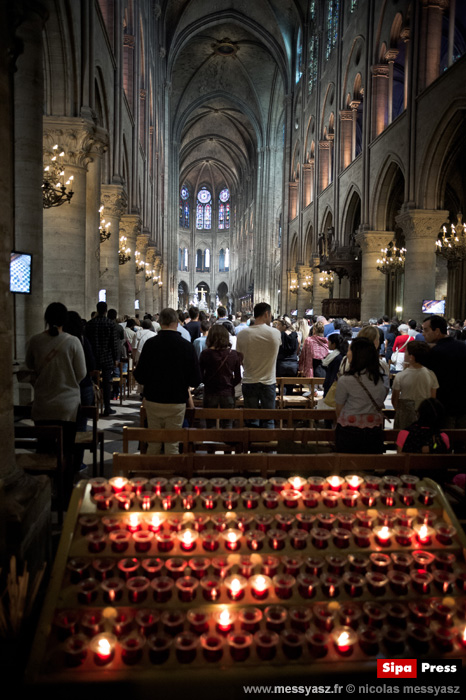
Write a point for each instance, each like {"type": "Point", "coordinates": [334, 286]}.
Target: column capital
{"type": "Point", "coordinates": [373, 241]}
{"type": "Point", "coordinates": [405, 34]}
{"type": "Point", "coordinates": [354, 104]}
{"type": "Point", "coordinates": [421, 223]}
{"type": "Point", "coordinates": [380, 70]}
{"type": "Point", "coordinates": [346, 115]}
{"type": "Point", "coordinates": [293, 185]}
{"type": "Point", "coordinates": [128, 40]}
{"type": "Point", "coordinates": [114, 199]}
{"type": "Point", "coordinates": [391, 55]}
{"type": "Point", "coordinates": [302, 270]}
{"type": "Point", "coordinates": [142, 243]}
{"type": "Point", "coordinates": [307, 166]}
{"type": "Point", "coordinates": [324, 145]}
{"type": "Point", "coordinates": [81, 139]}
{"type": "Point", "coordinates": [130, 226]}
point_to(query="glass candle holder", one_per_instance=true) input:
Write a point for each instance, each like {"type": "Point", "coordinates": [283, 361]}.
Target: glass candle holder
{"type": "Point", "coordinates": [132, 648]}
{"type": "Point", "coordinates": [326, 520]}
{"type": "Point", "coordinates": [158, 485]}
{"type": "Point", "coordinates": [316, 483]}
{"type": "Point", "coordinates": [409, 481]}
{"type": "Point", "coordinates": [178, 484]}
{"type": "Point", "coordinates": [175, 567]}
{"type": "Point", "coordinates": [199, 566]}
{"type": "Point", "coordinates": [165, 541]}
{"type": "Point", "coordinates": [187, 539]}
{"type": "Point", "coordinates": [277, 539]}
{"type": "Point", "coordinates": [255, 540]}
{"type": "Point", "coordinates": [421, 612]}
{"type": "Point", "coordinates": [278, 483]}
{"type": "Point", "coordinates": [186, 645]}
{"type": "Point", "coordinates": [269, 565]}
{"type": "Point", "coordinates": [424, 534]}
{"type": "Point", "coordinates": [383, 535]}
{"type": "Point", "coordinates": [112, 590]}
{"type": "Point", "coordinates": [209, 500]}
{"type": "Point", "coordinates": [395, 640]}
{"type": "Point", "coordinates": [212, 647]}
{"type": "Point", "coordinates": [419, 638]}
{"type": "Point", "coordinates": [407, 496]}
{"type": "Point", "coordinates": [235, 586]}
{"type": "Point", "coordinates": [366, 518]}
{"type": "Point", "coordinates": [246, 565]}
{"type": "Point", "coordinates": [354, 482]}
{"type": "Point", "coordinates": [231, 539]}
{"type": "Point", "coordinates": [369, 497]}
{"type": "Point", "coordinates": [310, 498]}
{"type": "Point", "coordinates": [423, 560]}
{"type": "Point", "coordinates": [188, 500]}
{"type": "Point", "coordinates": [168, 500]}
{"type": "Point", "coordinates": [330, 585]}
{"type": "Point", "coordinates": [369, 640]}
{"type": "Point", "coordinates": [124, 500]}
{"type": "Point", "coordinates": [128, 567]}
{"type": "Point", "coordinates": [239, 644]}
{"type": "Point", "coordinates": [133, 522]}
{"type": "Point", "coordinates": [399, 582]}
{"type": "Point", "coordinates": [353, 583]}
{"type": "Point", "coordinates": [66, 623]}
{"type": "Point", "coordinates": [137, 588]}
{"type": "Point", "coordinates": [336, 563]}
{"type": "Point", "coordinates": [229, 500]}
{"type": "Point", "coordinates": [292, 565]}
{"type": "Point", "coordinates": [346, 521]}
{"type": "Point", "coordinates": [266, 644]}
{"type": "Point", "coordinates": [444, 638]}
{"type": "Point", "coordinates": [270, 499]}
{"type": "Point", "coordinates": [104, 500]}
{"type": "Point", "coordinates": [374, 615]}
{"type": "Point", "coordinates": [250, 499]}
{"type": "Point", "coordinates": [298, 538]}
{"type": "Point", "coordinates": [426, 516]}
{"type": "Point", "coordinates": [173, 621]}
{"type": "Point", "coordinates": [335, 483]}
{"type": "Point", "coordinates": [318, 643]}
{"type": "Point", "coordinates": [238, 483]}
{"type": "Point", "coordinates": [320, 538]}
{"type": "Point", "coordinates": [426, 495]}
{"type": "Point", "coordinates": [162, 588]}
{"type": "Point", "coordinates": [275, 617]}
{"type": "Point", "coordinates": [264, 522]}
{"type": "Point", "coordinates": [211, 588]}
{"type": "Point", "coordinates": [220, 521]}
{"type": "Point", "coordinates": [391, 482]}
{"type": "Point", "coordinates": [159, 648]}
{"type": "Point", "coordinates": [257, 484]}
{"type": "Point", "coordinates": [138, 484]}
{"type": "Point", "coordinates": [397, 614]}
{"type": "Point", "coordinates": [292, 644]}
{"type": "Point", "coordinates": [249, 619]}
{"type": "Point", "coordinates": [224, 620]}
{"type": "Point", "coordinates": [284, 521]}
{"type": "Point", "coordinates": [349, 615]}
{"type": "Point", "coordinates": [152, 567]}
{"type": "Point", "coordinates": [300, 618]}
{"type": "Point", "coordinates": [444, 581]}
{"type": "Point", "coordinates": [402, 561]}
{"type": "Point", "coordinates": [324, 617]}
{"type": "Point", "coordinates": [387, 518]}
{"type": "Point", "coordinates": [372, 482]}
{"type": "Point", "coordinates": [199, 484]}
{"type": "Point", "coordinates": [283, 585]}
{"type": "Point", "coordinates": [388, 497]}
{"type": "Point", "coordinates": [461, 581]}
{"type": "Point", "coordinates": [462, 636]}
{"type": "Point", "coordinates": [88, 523]}
{"type": "Point", "coordinates": [198, 621]}
{"type": "Point", "coordinates": [78, 568]}
{"type": "Point", "coordinates": [146, 500]}
{"type": "Point", "coordinates": [146, 621]}
{"type": "Point", "coordinates": [421, 581]}
{"type": "Point", "coordinates": [359, 563]}
{"type": "Point", "coordinates": [155, 521]}
{"type": "Point", "coordinates": [221, 566]}
{"type": "Point", "coordinates": [406, 517]}
{"type": "Point", "coordinates": [330, 499]}
{"type": "Point", "coordinates": [444, 612]}
{"type": "Point", "coordinates": [142, 540]}
{"type": "Point", "coordinates": [307, 585]}
{"type": "Point", "coordinates": [260, 586]}
{"type": "Point", "coordinates": [75, 649]}
{"type": "Point", "coordinates": [210, 541]}
{"type": "Point", "coordinates": [344, 640]}
{"type": "Point", "coordinates": [362, 536]}
{"type": "Point", "coordinates": [377, 583]}
{"type": "Point", "coordinates": [244, 521]}
{"type": "Point", "coordinates": [350, 498]}
{"type": "Point", "coordinates": [219, 484]}
{"type": "Point", "coordinates": [341, 537]}
{"type": "Point", "coordinates": [444, 533]}
{"type": "Point", "coordinates": [297, 483]}
{"type": "Point", "coordinates": [98, 485]}
{"type": "Point", "coordinates": [380, 562]}
{"type": "Point", "coordinates": [119, 541]}
{"type": "Point", "coordinates": [200, 521]}
{"type": "Point", "coordinates": [403, 535]}
{"type": "Point", "coordinates": [87, 591]}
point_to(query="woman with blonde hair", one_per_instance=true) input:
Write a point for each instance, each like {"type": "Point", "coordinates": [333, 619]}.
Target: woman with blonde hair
{"type": "Point", "coordinates": [315, 348]}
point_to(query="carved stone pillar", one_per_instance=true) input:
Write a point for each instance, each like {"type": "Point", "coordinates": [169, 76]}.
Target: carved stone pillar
{"type": "Point", "coordinates": [379, 99]}
{"type": "Point", "coordinates": [71, 231]}
{"type": "Point", "coordinates": [307, 183]}
{"type": "Point", "coordinates": [141, 245]}
{"type": "Point", "coordinates": [114, 200]}
{"type": "Point", "coordinates": [319, 293]}
{"type": "Point", "coordinates": [354, 116]}
{"type": "Point", "coordinates": [373, 282]}
{"type": "Point", "coordinates": [293, 190]}
{"type": "Point", "coordinates": [390, 57]}
{"type": "Point", "coordinates": [304, 296]}
{"type": "Point", "coordinates": [324, 177]}
{"type": "Point", "coordinates": [130, 226]}
{"type": "Point", "coordinates": [420, 227]}
{"type": "Point", "coordinates": [431, 41]}
{"type": "Point", "coordinates": [157, 288]}
{"type": "Point", "coordinates": [405, 36]}
{"type": "Point", "coordinates": [150, 259]}
{"type": "Point", "coordinates": [346, 138]}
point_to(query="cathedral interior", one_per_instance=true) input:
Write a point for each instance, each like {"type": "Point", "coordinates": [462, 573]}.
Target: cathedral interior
{"type": "Point", "coordinates": [306, 153]}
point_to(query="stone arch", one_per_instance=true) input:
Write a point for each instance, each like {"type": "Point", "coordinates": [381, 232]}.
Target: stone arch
{"type": "Point", "coordinates": [183, 295]}
{"type": "Point", "coordinates": [293, 257]}
{"type": "Point", "coordinates": [308, 245]}
{"type": "Point", "coordinates": [351, 218]}
{"type": "Point", "coordinates": [309, 143]}
{"type": "Point", "coordinates": [385, 182]}
{"type": "Point", "coordinates": [222, 293]}
{"type": "Point", "coordinates": [352, 65]}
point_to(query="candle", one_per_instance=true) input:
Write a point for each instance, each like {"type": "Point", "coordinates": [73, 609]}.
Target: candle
{"type": "Point", "coordinates": [409, 481]}
{"type": "Point", "coordinates": [120, 541]}
{"type": "Point", "coordinates": [89, 523]}
{"type": "Point", "coordinates": [224, 619]}
{"type": "Point", "coordinates": [250, 499]}
{"type": "Point", "coordinates": [188, 499]}
{"type": "Point", "coordinates": [423, 560]}
{"type": "Point", "coordinates": [323, 616]}
{"type": "Point", "coordinates": [374, 615]}
{"type": "Point", "coordinates": [421, 581]}
{"type": "Point", "coordinates": [275, 617]}
{"type": "Point", "coordinates": [103, 648]}
{"type": "Point", "coordinates": [399, 582]}
{"type": "Point", "coordinates": [316, 483]}
{"type": "Point", "coordinates": [200, 521]}
{"type": "Point", "coordinates": [238, 483]}
{"type": "Point", "coordinates": [209, 500]}
{"type": "Point", "coordinates": [152, 567]}
{"type": "Point", "coordinates": [353, 583]}
{"type": "Point", "coordinates": [391, 482]}
{"type": "Point", "coordinates": [300, 618]}
{"type": "Point", "coordinates": [330, 498]}
{"type": "Point", "coordinates": [354, 482]}
{"type": "Point", "coordinates": [178, 483]}
{"type": "Point", "coordinates": [165, 541]}
{"type": "Point", "coordinates": [232, 539]}
{"type": "Point", "coordinates": [162, 588]}
{"type": "Point", "coordinates": [284, 521]}
{"type": "Point", "coordinates": [349, 615]}
{"type": "Point", "coordinates": [138, 484]}
{"type": "Point", "coordinates": [270, 565]}
{"type": "Point", "coordinates": [112, 589]}
{"type": "Point", "coordinates": [428, 517]}
{"type": "Point", "coordinates": [159, 648]}
{"type": "Point", "coordinates": [401, 561]}
{"type": "Point", "coordinates": [387, 496]}
{"type": "Point", "coordinates": [383, 536]}
{"type": "Point", "coordinates": [407, 496]}
{"type": "Point", "coordinates": [283, 585]}
{"type": "Point", "coordinates": [131, 648]}
{"type": "Point", "coordinates": [239, 644]}
{"type": "Point", "coordinates": [350, 498]}
{"type": "Point", "coordinates": [199, 484]}
{"type": "Point", "coordinates": [277, 539]}
{"type": "Point", "coordinates": [318, 643]}
{"type": "Point", "coordinates": [219, 484]}
{"type": "Point", "coordinates": [264, 522]}
{"type": "Point", "coordinates": [211, 588]}
{"type": "Point", "coordinates": [118, 483]}
{"type": "Point", "coordinates": [143, 540]}
{"type": "Point", "coordinates": [199, 566]}
{"type": "Point", "coordinates": [133, 522]}
{"type": "Point", "coordinates": [320, 538]}
{"type": "Point", "coordinates": [158, 485]}
{"type": "Point", "coordinates": [426, 495]}
{"type": "Point", "coordinates": [266, 644]}
{"type": "Point", "coordinates": [187, 587]}
{"type": "Point", "coordinates": [297, 483]}
{"type": "Point", "coordinates": [255, 540]}
{"type": "Point", "coordinates": [230, 500]}
{"type": "Point", "coordinates": [359, 563]}
{"type": "Point", "coordinates": [406, 517]}
{"type": "Point", "coordinates": [298, 538]}
{"type": "Point", "coordinates": [96, 542]}
{"type": "Point", "coordinates": [292, 565]}
{"type": "Point", "coordinates": [366, 518]}
{"type": "Point", "coordinates": [444, 581]}
{"type": "Point", "coordinates": [462, 636]}
{"type": "Point", "coordinates": [362, 536]}
{"type": "Point", "coordinates": [310, 498]}
{"type": "Point", "coordinates": [258, 484]}
{"type": "Point", "coordinates": [244, 522]}
{"type": "Point", "coordinates": [444, 611]}
{"type": "Point", "coordinates": [335, 483]}
{"type": "Point", "coordinates": [330, 585]}
{"type": "Point", "coordinates": [424, 534]}
{"type": "Point", "coordinates": [76, 650]}
{"type": "Point", "coordinates": [336, 563]}
{"type": "Point", "coordinates": [175, 566]}
{"type": "Point", "coordinates": [341, 537]}
{"type": "Point", "coordinates": [344, 639]}
{"type": "Point", "coordinates": [369, 497]}
{"type": "Point", "coordinates": [278, 483]}
{"type": "Point", "coordinates": [307, 585]}
{"type": "Point", "coordinates": [403, 535]}
{"type": "Point", "coordinates": [169, 501]}
{"type": "Point", "coordinates": [292, 644]}
{"type": "Point", "coordinates": [235, 586]}
{"type": "Point", "coordinates": [444, 533]}
{"type": "Point", "coordinates": [369, 640]}
{"type": "Point", "coordinates": [173, 621]}
{"type": "Point", "coordinates": [314, 565]}
{"type": "Point", "coordinates": [155, 522]}
{"type": "Point", "coordinates": [420, 638]}
{"type": "Point", "coordinates": [221, 566]}
{"type": "Point", "coordinates": [66, 622]}
{"type": "Point", "coordinates": [137, 588]}
{"type": "Point", "coordinates": [103, 501]}
{"type": "Point", "coordinates": [124, 500]}
{"type": "Point", "coordinates": [387, 518]}
{"type": "Point", "coordinates": [376, 583]}
{"type": "Point", "coordinates": [187, 539]}
{"type": "Point", "coordinates": [249, 619]}
{"type": "Point", "coordinates": [212, 647]}
{"type": "Point", "coordinates": [260, 586]}
{"type": "Point", "coordinates": [305, 521]}
{"type": "Point", "coordinates": [380, 562]}
{"type": "Point", "coordinates": [210, 541]}
{"type": "Point", "coordinates": [421, 612]}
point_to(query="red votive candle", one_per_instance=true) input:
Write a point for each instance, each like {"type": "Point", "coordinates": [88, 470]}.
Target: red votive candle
{"type": "Point", "coordinates": [297, 483]}
{"type": "Point", "coordinates": [137, 588]}
{"type": "Point", "coordinates": [120, 541]}
{"type": "Point", "coordinates": [96, 542]}
{"type": "Point", "coordinates": [221, 566]}
{"type": "Point", "coordinates": [176, 522]}
{"type": "Point", "coordinates": [200, 521]}
{"type": "Point", "coordinates": [112, 589]}
{"type": "Point", "coordinates": [152, 567]}
{"type": "Point", "coordinates": [387, 497]}
{"type": "Point", "coordinates": [187, 539]}
{"type": "Point", "coordinates": [231, 539]}
{"type": "Point", "coordinates": [210, 541]}
{"type": "Point", "coordinates": [341, 537]}
{"type": "Point", "coordinates": [178, 484]}
{"type": "Point", "coordinates": [209, 500]}
{"type": "Point", "coordinates": [403, 535]}
{"type": "Point", "coordinates": [230, 500]}
{"type": "Point", "coordinates": [175, 567]}
{"type": "Point", "coordinates": [316, 483]}
{"type": "Point", "coordinates": [275, 617]}
{"type": "Point", "coordinates": [421, 581]}
{"type": "Point", "coordinates": [350, 498]}
{"type": "Point", "coordinates": [118, 483]}
{"type": "Point", "coordinates": [307, 585]}
{"type": "Point", "coordinates": [92, 623]}
{"type": "Point", "coordinates": [330, 585]}
{"type": "Point", "coordinates": [225, 620]}
{"type": "Point", "coordinates": [187, 588]}
{"type": "Point", "coordinates": [103, 648]}
{"type": "Point", "coordinates": [219, 484]}
{"type": "Point", "coordinates": [335, 483]}
{"type": "Point", "coordinates": [444, 638]}
{"type": "Point", "coordinates": [406, 518]}
{"type": "Point", "coordinates": [444, 533]}
{"type": "Point", "coordinates": [89, 523]}
{"type": "Point", "coordinates": [421, 612]}
{"type": "Point", "coordinates": [318, 643]}
{"type": "Point", "coordinates": [143, 540]}
{"type": "Point", "coordinates": [323, 617]}
{"type": "Point", "coordinates": [133, 522]}
{"type": "Point", "coordinates": [199, 566]}
{"type": "Point", "coordinates": [374, 615]}
{"type": "Point", "coordinates": [387, 518]}
{"type": "Point", "coordinates": [426, 495]}
{"type": "Point", "coordinates": [165, 541]}
{"type": "Point", "coordinates": [346, 520]}
{"type": "Point", "coordinates": [376, 583]}
{"type": "Point", "coordinates": [362, 536]}
{"type": "Point", "coordinates": [344, 640]}
{"type": "Point", "coordinates": [98, 485]}
{"type": "Point", "coordinates": [443, 612]}
{"type": "Point", "coordinates": [278, 483]}
{"type": "Point", "coordinates": [390, 482]}
{"type": "Point", "coordinates": [66, 623]}
{"type": "Point", "coordinates": [407, 496]}
{"type": "Point", "coordinates": [409, 480]}
{"type": "Point", "coordinates": [397, 614]}
{"type": "Point", "coordinates": [255, 540]}
{"type": "Point", "coordinates": [292, 565]}
{"type": "Point", "coordinates": [426, 516]}
{"type": "Point", "coordinates": [173, 621]}
{"type": "Point", "coordinates": [158, 484]}
{"type": "Point", "coordinates": [310, 498]}
{"type": "Point", "coordinates": [283, 585]}
{"type": "Point", "coordinates": [235, 586]}
{"type": "Point", "coordinates": [211, 588]}
{"type": "Point", "coordinates": [444, 581]}
{"type": "Point", "coordinates": [270, 499]}
{"type": "Point", "coordinates": [369, 497]}
{"type": "Point", "coordinates": [238, 483]}
{"type": "Point", "coordinates": [320, 538]}
{"type": "Point", "coordinates": [284, 521]}
{"type": "Point", "coordinates": [168, 500]}
{"type": "Point", "coordinates": [353, 583]}
{"type": "Point", "coordinates": [424, 534]}
{"type": "Point", "coordinates": [423, 560]}
{"type": "Point", "coordinates": [250, 499]}
{"type": "Point", "coordinates": [162, 588]}
{"type": "Point", "coordinates": [354, 481]}
{"type": "Point", "coordinates": [401, 561]}
{"type": "Point", "coordinates": [292, 644]}
{"type": "Point", "coordinates": [369, 640]}
{"type": "Point", "coordinates": [269, 565]}
{"type": "Point", "coordinates": [258, 484]}
{"type": "Point", "coordinates": [124, 500]}
{"type": "Point", "coordinates": [199, 484]}
{"type": "Point", "coordinates": [305, 521]}
{"type": "Point", "coordinates": [212, 647]}
{"type": "Point", "coordinates": [138, 484]}
{"type": "Point", "coordinates": [159, 648]}
{"type": "Point", "coordinates": [264, 522]}
{"type": "Point", "coordinates": [326, 520]}
{"type": "Point", "coordinates": [128, 567]}
{"type": "Point", "coordinates": [366, 518]}
{"type": "Point", "coordinates": [260, 586]}
{"type": "Point", "coordinates": [336, 563]}
{"type": "Point", "coordinates": [380, 562]}
{"type": "Point", "coordinates": [359, 563]}
{"type": "Point", "coordinates": [103, 501]}
{"type": "Point", "coordinates": [298, 538]}
{"type": "Point", "coordinates": [277, 539]}
{"type": "Point", "coordinates": [300, 618]}
{"type": "Point", "coordinates": [419, 638]}
{"type": "Point", "coordinates": [244, 522]}
{"type": "Point", "coordinates": [188, 500]}
{"type": "Point", "coordinates": [266, 644]}
{"type": "Point", "coordinates": [330, 498]}
{"type": "Point", "coordinates": [249, 619]}
{"type": "Point", "coordinates": [399, 582]}
{"type": "Point", "coordinates": [155, 522]}
{"type": "Point", "coordinates": [131, 648]}
{"type": "Point", "coordinates": [76, 650]}
{"type": "Point", "coordinates": [383, 535]}
{"type": "Point", "coordinates": [239, 644]}
{"type": "Point", "coordinates": [462, 636]}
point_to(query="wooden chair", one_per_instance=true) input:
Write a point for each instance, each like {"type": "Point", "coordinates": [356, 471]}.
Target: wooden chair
{"type": "Point", "coordinates": [96, 377]}
{"type": "Point", "coordinates": [93, 439]}
{"type": "Point", "coordinates": [304, 385]}
{"type": "Point", "coordinates": [52, 464]}
{"type": "Point", "coordinates": [147, 435]}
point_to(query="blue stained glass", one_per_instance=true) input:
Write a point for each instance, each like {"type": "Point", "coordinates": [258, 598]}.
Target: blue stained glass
{"type": "Point", "coordinates": [221, 216]}
{"type": "Point", "coordinates": [204, 195]}
{"type": "Point", "coordinates": [186, 215]}
{"type": "Point", "coordinates": [224, 195]}
{"type": "Point", "coordinates": [207, 216]}
{"type": "Point", "coordinates": [200, 216]}
{"type": "Point", "coordinates": [227, 216]}
{"type": "Point", "coordinates": [184, 193]}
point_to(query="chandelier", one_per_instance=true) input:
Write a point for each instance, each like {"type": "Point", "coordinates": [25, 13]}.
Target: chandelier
{"type": "Point", "coordinates": [452, 246]}
{"type": "Point", "coordinates": [294, 286]}
{"type": "Point", "coordinates": [54, 186]}
{"type": "Point", "coordinates": [103, 227]}
{"type": "Point", "coordinates": [308, 283]}
{"type": "Point", "coordinates": [392, 260]}
{"type": "Point", "coordinates": [149, 273]}
{"type": "Point", "coordinates": [123, 251]}
{"type": "Point", "coordinates": [157, 279]}
{"type": "Point", "coordinates": [139, 264]}
{"type": "Point", "coordinates": [326, 280]}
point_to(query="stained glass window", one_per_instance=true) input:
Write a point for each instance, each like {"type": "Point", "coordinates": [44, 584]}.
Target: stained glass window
{"type": "Point", "coordinates": [184, 208]}
{"type": "Point", "coordinates": [183, 259]}
{"type": "Point", "coordinates": [204, 209]}
{"type": "Point", "coordinates": [224, 260]}
{"type": "Point", "coordinates": [353, 5]}
{"type": "Point", "coordinates": [313, 59]}
{"type": "Point", "coordinates": [206, 260]}
{"type": "Point", "coordinates": [299, 56]}
{"type": "Point", "coordinates": [332, 26]}
{"type": "Point", "coordinates": [224, 209]}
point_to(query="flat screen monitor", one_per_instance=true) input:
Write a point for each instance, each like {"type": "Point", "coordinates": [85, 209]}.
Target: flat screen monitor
{"type": "Point", "coordinates": [294, 312]}
{"type": "Point", "coordinates": [309, 312]}
{"type": "Point", "coordinates": [433, 306]}
{"type": "Point", "coordinates": [20, 272]}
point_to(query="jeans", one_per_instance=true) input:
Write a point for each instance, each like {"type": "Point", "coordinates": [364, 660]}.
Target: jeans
{"type": "Point", "coordinates": [107, 373]}
{"type": "Point", "coordinates": [215, 401]}
{"type": "Point", "coordinates": [260, 396]}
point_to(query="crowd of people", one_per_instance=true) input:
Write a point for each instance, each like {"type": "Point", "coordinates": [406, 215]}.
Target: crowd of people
{"type": "Point", "coordinates": [222, 357]}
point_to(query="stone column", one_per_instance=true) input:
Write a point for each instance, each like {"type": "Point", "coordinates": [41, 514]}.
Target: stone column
{"type": "Point", "coordinates": [69, 240]}
{"type": "Point", "coordinates": [346, 138]}
{"type": "Point", "coordinates": [114, 200]}
{"type": "Point", "coordinates": [130, 226]}
{"type": "Point", "coordinates": [420, 227]}
{"type": "Point", "coordinates": [324, 178]}
{"type": "Point", "coordinates": [431, 42]}
{"type": "Point", "coordinates": [293, 190]}
{"type": "Point", "coordinates": [331, 146]}
{"type": "Point", "coordinates": [354, 116]}
{"type": "Point", "coordinates": [390, 58]}
{"type": "Point", "coordinates": [150, 258]}
{"type": "Point", "coordinates": [312, 178]}
{"type": "Point", "coordinates": [307, 184]}
{"type": "Point", "coordinates": [141, 245]}
{"type": "Point", "coordinates": [319, 293]}
{"type": "Point", "coordinates": [379, 99]}
{"type": "Point", "coordinates": [373, 282]}
{"type": "Point", "coordinates": [405, 36]}
{"type": "Point", "coordinates": [304, 296]}
{"type": "Point", "coordinates": [157, 288]}
{"type": "Point", "coordinates": [92, 274]}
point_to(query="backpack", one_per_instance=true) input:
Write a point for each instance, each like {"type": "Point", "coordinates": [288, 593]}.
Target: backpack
{"type": "Point", "coordinates": [419, 437]}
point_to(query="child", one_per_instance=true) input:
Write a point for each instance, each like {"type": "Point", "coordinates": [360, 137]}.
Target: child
{"type": "Point", "coordinates": [412, 385]}
{"type": "Point", "coordinates": [424, 435]}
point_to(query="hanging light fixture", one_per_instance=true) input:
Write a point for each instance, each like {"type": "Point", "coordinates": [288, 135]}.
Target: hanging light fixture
{"type": "Point", "coordinates": [326, 280]}
{"type": "Point", "coordinates": [294, 286]}
{"type": "Point", "coordinates": [392, 260]}
{"type": "Point", "coordinates": [139, 263]}
{"type": "Point", "coordinates": [452, 245]}
{"type": "Point", "coordinates": [54, 185]}
{"type": "Point", "coordinates": [103, 227]}
{"type": "Point", "coordinates": [308, 283]}
{"type": "Point", "coordinates": [149, 273]}
{"type": "Point", "coordinates": [123, 251]}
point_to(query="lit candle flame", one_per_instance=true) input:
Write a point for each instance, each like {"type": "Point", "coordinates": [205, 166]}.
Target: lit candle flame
{"type": "Point", "coordinates": [232, 537]}
{"type": "Point", "coordinates": [224, 618]}
{"type": "Point", "coordinates": [156, 520]}
{"type": "Point", "coordinates": [354, 481]}
{"type": "Point", "coordinates": [134, 520]}
{"type": "Point", "coordinates": [235, 585]}
{"type": "Point", "coordinates": [331, 590]}
{"type": "Point", "coordinates": [423, 532]}
{"type": "Point", "coordinates": [103, 647]}
{"type": "Point", "coordinates": [188, 537]}
{"type": "Point", "coordinates": [260, 584]}
{"type": "Point", "coordinates": [334, 480]}
{"type": "Point", "coordinates": [384, 533]}
{"type": "Point", "coordinates": [343, 639]}
{"type": "Point", "coordinates": [146, 503]}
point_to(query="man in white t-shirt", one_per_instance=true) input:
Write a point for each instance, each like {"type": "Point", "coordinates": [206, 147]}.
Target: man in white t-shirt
{"type": "Point", "coordinates": [413, 385]}
{"type": "Point", "coordinates": [259, 345]}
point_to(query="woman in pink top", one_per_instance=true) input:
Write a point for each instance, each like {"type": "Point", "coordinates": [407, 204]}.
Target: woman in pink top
{"type": "Point", "coordinates": [315, 348]}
